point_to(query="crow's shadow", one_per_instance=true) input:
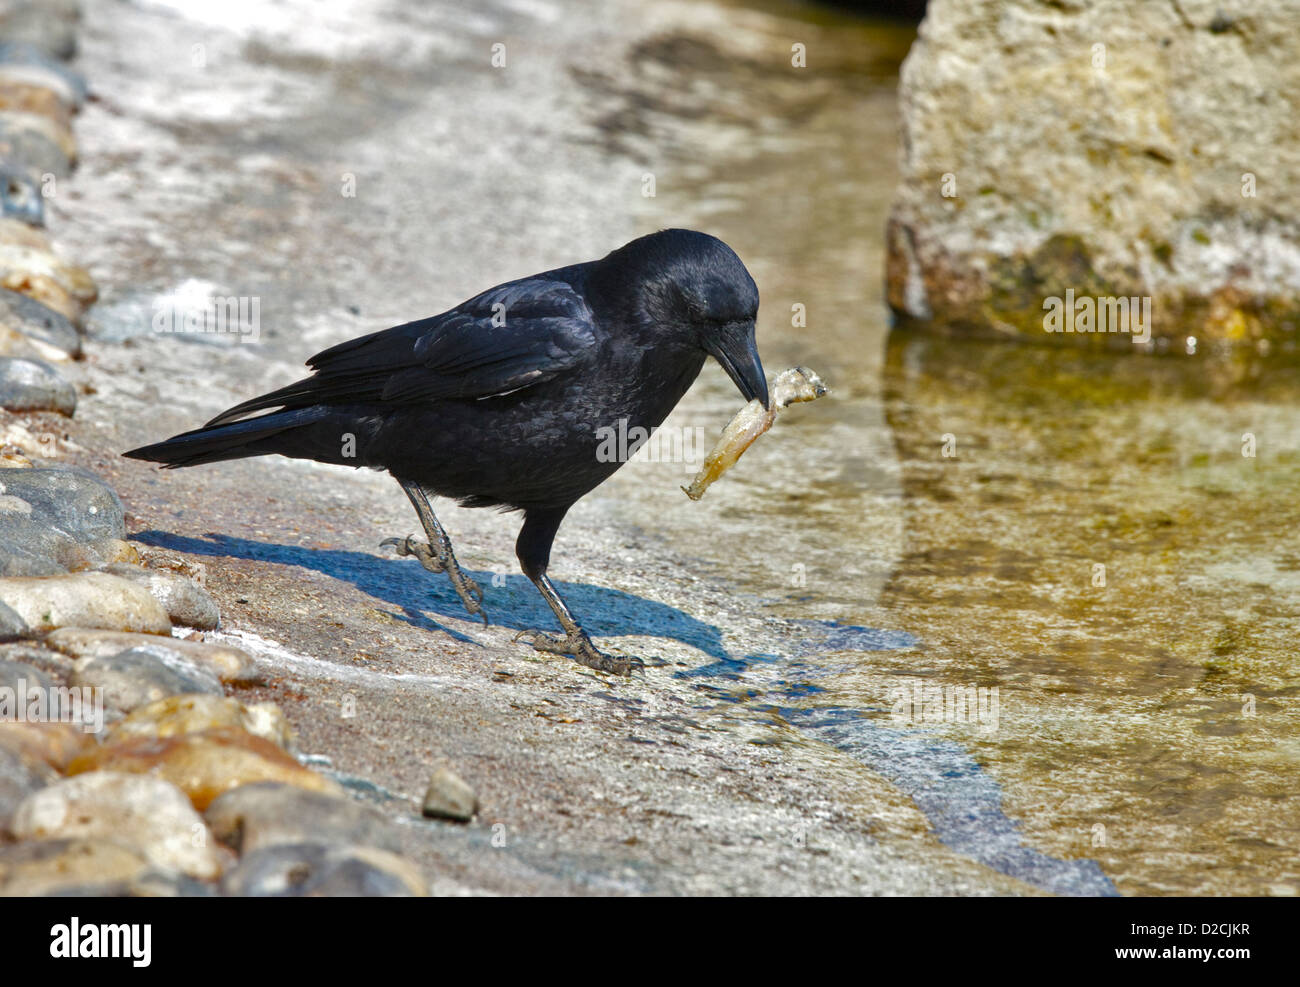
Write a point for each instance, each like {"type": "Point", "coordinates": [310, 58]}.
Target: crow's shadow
{"type": "Point", "coordinates": [510, 600]}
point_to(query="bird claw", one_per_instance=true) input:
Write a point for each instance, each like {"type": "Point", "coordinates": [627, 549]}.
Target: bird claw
{"type": "Point", "coordinates": [421, 550]}
{"type": "Point", "coordinates": [470, 593]}
{"type": "Point", "coordinates": [579, 647]}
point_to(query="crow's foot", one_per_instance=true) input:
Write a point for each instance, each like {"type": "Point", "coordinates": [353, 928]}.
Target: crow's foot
{"type": "Point", "coordinates": [580, 648]}
{"type": "Point", "coordinates": [470, 593]}
{"type": "Point", "coordinates": [421, 550]}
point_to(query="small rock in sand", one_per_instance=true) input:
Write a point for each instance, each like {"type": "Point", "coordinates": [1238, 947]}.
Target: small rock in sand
{"type": "Point", "coordinates": [449, 797]}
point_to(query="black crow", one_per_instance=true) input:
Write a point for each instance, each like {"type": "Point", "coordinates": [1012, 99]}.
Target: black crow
{"type": "Point", "coordinates": [502, 400]}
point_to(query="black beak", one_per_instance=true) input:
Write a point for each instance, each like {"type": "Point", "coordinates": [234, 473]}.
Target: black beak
{"type": "Point", "coordinates": [737, 352]}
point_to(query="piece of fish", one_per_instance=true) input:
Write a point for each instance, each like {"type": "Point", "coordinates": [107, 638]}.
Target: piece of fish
{"type": "Point", "coordinates": [790, 387]}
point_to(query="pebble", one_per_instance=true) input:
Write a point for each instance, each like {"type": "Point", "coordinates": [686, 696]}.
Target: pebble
{"type": "Point", "coordinates": [253, 817]}
{"type": "Point", "coordinates": [50, 662]}
{"type": "Point", "coordinates": [73, 500]}
{"type": "Point", "coordinates": [33, 385]}
{"type": "Point", "coordinates": [42, 867]}
{"type": "Point", "coordinates": [42, 331]}
{"type": "Point", "coordinates": [20, 777]}
{"type": "Point", "coordinates": [230, 665]}
{"type": "Point", "coordinates": [317, 870]}
{"type": "Point", "coordinates": [29, 152]}
{"type": "Point", "coordinates": [187, 603]}
{"type": "Point", "coordinates": [46, 27]}
{"type": "Point", "coordinates": [29, 61]}
{"type": "Point", "coordinates": [206, 764]}
{"type": "Point", "coordinates": [23, 97]}
{"type": "Point", "coordinates": [12, 625]}
{"type": "Point", "coordinates": [449, 797]}
{"type": "Point", "coordinates": [43, 274]}
{"type": "Point", "coordinates": [85, 599]}
{"type": "Point", "coordinates": [18, 675]}
{"type": "Point", "coordinates": [55, 744]}
{"type": "Point", "coordinates": [20, 196]}
{"type": "Point", "coordinates": [145, 813]}
{"type": "Point", "coordinates": [194, 713]}
{"type": "Point", "coordinates": [137, 677]}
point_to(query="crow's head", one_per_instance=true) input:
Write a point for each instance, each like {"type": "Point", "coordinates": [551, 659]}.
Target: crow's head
{"type": "Point", "coordinates": [697, 290]}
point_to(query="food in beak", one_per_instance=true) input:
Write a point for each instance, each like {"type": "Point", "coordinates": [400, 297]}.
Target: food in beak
{"type": "Point", "coordinates": [790, 387]}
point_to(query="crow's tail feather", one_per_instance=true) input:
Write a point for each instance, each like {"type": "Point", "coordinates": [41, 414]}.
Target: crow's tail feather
{"type": "Point", "coordinates": [212, 444]}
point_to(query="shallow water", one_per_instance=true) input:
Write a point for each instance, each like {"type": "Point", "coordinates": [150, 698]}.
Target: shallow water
{"type": "Point", "coordinates": [1143, 738]}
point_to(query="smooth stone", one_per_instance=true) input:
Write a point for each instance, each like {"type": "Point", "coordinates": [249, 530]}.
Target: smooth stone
{"type": "Point", "coordinates": [137, 677]}
{"type": "Point", "coordinates": [18, 675]}
{"type": "Point", "coordinates": [230, 665]}
{"type": "Point", "coordinates": [186, 602]}
{"type": "Point", "coordinates": [31, 548]}
{"type": "Point", "coordinates": [33, 385]}
{"type": "Point", "coordinates": [74, 501]}
{"type": "Point", "coordinates": [23, 61]}
{"type": "Point", "coordinates": [52, 663]}
{"type": "Point", "coordinates": [12, 625]}
{"type": "Point", "coordinates": [196, 712]}
{"type": "Point", "coordinates": [51, 334]}
{"type": "Point", "coordinates": [146, 813]}
{"type": "Point", "coordinates": [30, 153]}
{"type": "Point", "coordinates": [1102, 147]}
{"type": "Point", "coordinates": [29, 269]}
{"type": "Point", "coordinates": [43, 867]}
{"type": "Point", "coordinates": [206, 764]}
{"type": "Point", "coordinates": [252, 817]}
{"type": "Point", "coordinates": [20, 777]}
{"type": "Point", "coordinates": [23, 97]}
{"type": "Point", "coordinates": [152, 882]}
{"type": "Point", "coordinates": [20, 196]}
{"type": "Point", "coordinates": [47, 27]}
{"type": "Point", "coordinates": [316, 870]}
{"type": "Point", "coordinates": [85, 599]}
{"type": "Point", "coordinates": [54, 744]}
{"type": "Point", "coordinates": [449, 797]}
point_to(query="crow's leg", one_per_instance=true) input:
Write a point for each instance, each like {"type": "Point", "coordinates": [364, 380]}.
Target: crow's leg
{"type": "Point", "coordinates": [534, 551]}
{"type": "Point", "coordinates": [437, 555]}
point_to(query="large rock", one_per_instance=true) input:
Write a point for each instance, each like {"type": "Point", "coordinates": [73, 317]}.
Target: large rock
{"type": "Point", "coordinates": [229, 664]}
{"type": "Point", "coordinates": [40, 867]}
{"type": "Point", "coordinates": [85, 599]}
{"type": "Point", "coordinates": [144, 813]}
{"type": "Point", "coordinates": [21, 775]}
{"type": "Point", "coordinates": [186, 602]}
{"type": "Point", "coordinates": [196, 712]}
{"type": "Point", "coordinates": [138, 678]}
{"type": "Point", "coordinates": [265, 814]}
{"type": "Point", "coordinates": [205, 764]}
{"type": "Point", "coordinates": [316, 870]}
{"type": "Point", "coordinates": [1104, 147]}
{"type": "Point", "coordinates": [28, 328]}
{"type": "Point", "coordinates": [33, 385]}
{"type": "Point", "coordinates": [75, 501]}
{"type": "Point", "coordinates": [53, 520]}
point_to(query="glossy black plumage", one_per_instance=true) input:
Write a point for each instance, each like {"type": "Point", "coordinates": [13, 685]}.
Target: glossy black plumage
{"type": "Point", "coordinates": [500, 401]}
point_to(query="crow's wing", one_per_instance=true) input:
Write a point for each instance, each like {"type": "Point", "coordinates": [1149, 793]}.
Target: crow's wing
{"type": "Point", "coordinates": [510, 337]}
